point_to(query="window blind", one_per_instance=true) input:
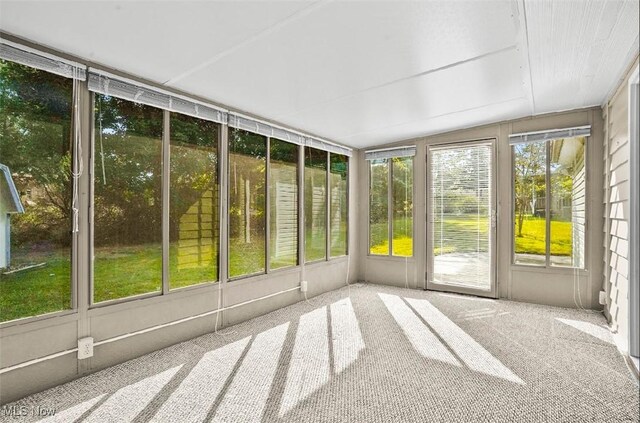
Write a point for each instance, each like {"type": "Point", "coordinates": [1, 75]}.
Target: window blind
{"type": "Point", "coordinates": [269, 130]}
{"type": "Point", "coordinates": [43, 61]}
{"type": "Point", "coordinates": [327, 146]}
{"type": "Point", "coordinates": [387, 153]}
{"type": "Point", "coordinates": [525, 137]}
{"type": "Point", "coordinates": [105, 83]}
{"type": "Point", "coordinates": [262, 128]}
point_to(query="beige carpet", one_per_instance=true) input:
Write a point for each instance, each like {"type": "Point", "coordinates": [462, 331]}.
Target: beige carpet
{"type": "Point", "coordinates": [371, 353]}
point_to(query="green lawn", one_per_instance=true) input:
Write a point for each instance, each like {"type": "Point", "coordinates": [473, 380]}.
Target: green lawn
{"type": "Point", "coordinates": [402, 238]}
{"type": "Point", "coordinates": [123, 271]}
{"type": "Point", "coordinates": [119, 272]}
{"type": "Point", "coordinates": [138, 268]}
{"type": "Point", "coordinates": [532, 240]}
{"type": "Point", "coordinates": [456, 230]}
{"type": "Point", "coordinates": [37, 291]}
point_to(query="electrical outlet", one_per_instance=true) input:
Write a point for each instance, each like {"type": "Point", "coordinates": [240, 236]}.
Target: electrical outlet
{"type": "Point", "coordinates": [85, 348]}
{"type": "Point", "coordinates": [303, 286]}
{"type": "Point", "coordinates": [602, 298]}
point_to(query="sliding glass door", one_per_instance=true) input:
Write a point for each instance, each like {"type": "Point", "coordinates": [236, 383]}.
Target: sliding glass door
{"type": "Point", "coordinates": [461, 218]}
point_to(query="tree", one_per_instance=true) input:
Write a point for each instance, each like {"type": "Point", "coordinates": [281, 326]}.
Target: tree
{"type": "Point", "coordinates": [529, 178]}
{"type": "Point", "coordinates": [35, 143]}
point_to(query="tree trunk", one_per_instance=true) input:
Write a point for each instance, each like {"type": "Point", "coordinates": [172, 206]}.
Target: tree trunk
{"type": "Point", "coordinates": [520, 222]}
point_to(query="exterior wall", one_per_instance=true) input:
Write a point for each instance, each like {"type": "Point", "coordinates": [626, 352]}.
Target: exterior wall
{"type": "Point", "coordinates": [617, 211]}
{"type": "Point", "coordinates": [552, 286]}
{"type": "Point", "coordinates": [578, 211]}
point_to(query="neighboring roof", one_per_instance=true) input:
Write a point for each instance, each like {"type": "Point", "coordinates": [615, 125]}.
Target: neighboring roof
{"type": "Point", "coordinates": [566, 152]}
{"type": "Point", "coordinates": [9, 195]}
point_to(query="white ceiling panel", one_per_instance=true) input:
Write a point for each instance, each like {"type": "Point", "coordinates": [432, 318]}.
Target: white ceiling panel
{"type": "Point", "coordinates": [489, 80]}
{"type": "Point", "coordinates": [358, 72]}
{"type": "Point", "coordinates": [578, 49]}
{"type": "Point", "coordinates": [344, 48]}
{"type": "Point", "coordinates": [156, 40]}
{"type": "Point", "coordinates": [485, 114]}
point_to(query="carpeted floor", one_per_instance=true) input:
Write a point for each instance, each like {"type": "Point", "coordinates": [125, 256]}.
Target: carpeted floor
{"type": "Point", "coordinates": [371, 353]}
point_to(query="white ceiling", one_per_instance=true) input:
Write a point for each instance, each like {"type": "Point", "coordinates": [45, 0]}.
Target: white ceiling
{"type": "Point", "coordinates": [362, 73]}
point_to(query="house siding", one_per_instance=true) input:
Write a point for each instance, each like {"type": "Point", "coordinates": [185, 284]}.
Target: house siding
{"type": "Point", "coordinates": [578, 214]}
{"type": "Point", "coordinates": [617, 212]}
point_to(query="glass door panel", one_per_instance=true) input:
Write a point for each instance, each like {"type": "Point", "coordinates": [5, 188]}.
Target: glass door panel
{"type": "Point", "coordinates": [461, 218]}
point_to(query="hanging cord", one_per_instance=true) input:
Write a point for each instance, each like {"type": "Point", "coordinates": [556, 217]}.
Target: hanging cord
{"type": "Point", "coordinates": [406, 272]}
{"type": "Point", "coordinates": [77, 167]}
{"type": "Point", "coordinates": [347, 277]}
{"type": "Point", "coordinates": [406, 228]}
{"type": "Point", "coordinates": [577, 296]}
{"type": "Point", "coordinates": [104, 172]}
{"type": "Point", "coordinates": [576, 287]}
{"type": "Point", "coordinates": [215, 327]}
{"type": "Point", "coordinates": [577, 276]}
{"type": "Point", "coordinates": [307, 299]}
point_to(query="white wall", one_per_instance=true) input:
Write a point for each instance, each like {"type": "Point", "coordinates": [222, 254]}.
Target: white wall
{"type": "Point", "coordinates": [553, 286]}
{"type": "Point", "coordinates": [617, 211]}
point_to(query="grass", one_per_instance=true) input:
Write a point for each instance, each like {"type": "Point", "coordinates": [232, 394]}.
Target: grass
{"type": "Point", "coordinates": [402, 238]}
{"type": "Point", "coordinates": [532, 240]}
{"type": "Point", "coordinates": [456, 239]}
{"type": "Point", "coordinates": [131, 270]}
{"type": "Point", "coordinates": [124, 271]}
{"type": "Point", "coordinates": [36, 291]}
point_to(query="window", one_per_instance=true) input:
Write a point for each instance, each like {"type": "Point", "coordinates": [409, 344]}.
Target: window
{"type": "Point", "coordinates": [193, 201]}
{"type": "Point", "coordinates": [315, 204]}
{"type": "Point", "coordinates": [379, 207]}
{"type": "Point", "coordinates": [127, 190]}
{"type": "Point", "coordinates": [35, 191]}
{"type": "Point", "coordinates": [283, 204]}
{"type": "Point", "coordinates": [402, 191]}
{"type": "Point", "coordinates": [549, 202]}
{"type": "Point", "coordinates": [247, 211]}
{"type": "Point", "coordinates": [338, 179]}
{"type": "Point", "coordinates": [391, 206]}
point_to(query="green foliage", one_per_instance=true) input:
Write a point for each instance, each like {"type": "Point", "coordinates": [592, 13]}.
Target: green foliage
{"type": "Point", "coordinates": [35, 143]}
{"type": "Point", "coordinates": [379, 193]}
{"type": "Point", "coordinates": [529, 179]}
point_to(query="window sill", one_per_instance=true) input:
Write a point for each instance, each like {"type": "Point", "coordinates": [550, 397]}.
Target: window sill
{"type": "Point", "coordinates": [390, 258]}
{"type": "Point", "coordinates": [550, 269]}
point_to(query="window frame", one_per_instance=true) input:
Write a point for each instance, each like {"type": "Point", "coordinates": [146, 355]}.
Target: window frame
{"type": "Point", "coordinates": [326, 211]}
{"type": "Point", "coordinates": [164, 198]}
{"type": "Point", "coordinates": [166, 203]}
{"type": "Point", "coordinates": [165, 287]}
{"type": "Point", "coordinates": [346, 252]}
{"type": "Point", "coordinates": [548, 265]}
{"type": "Point", "coordinates": [227, 194]}
{"type": "Point", "coordinates": [299, 172]}
{"type": "Point", "coordinates": [76, 255]}
{"type": "Point", "coordinates": [389, 164]}
{"type": "Point", "coordinates": [82, 248]}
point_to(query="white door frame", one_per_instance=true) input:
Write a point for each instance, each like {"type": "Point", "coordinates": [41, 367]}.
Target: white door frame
{"type": "Point", "coordinates": [430, 285]}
